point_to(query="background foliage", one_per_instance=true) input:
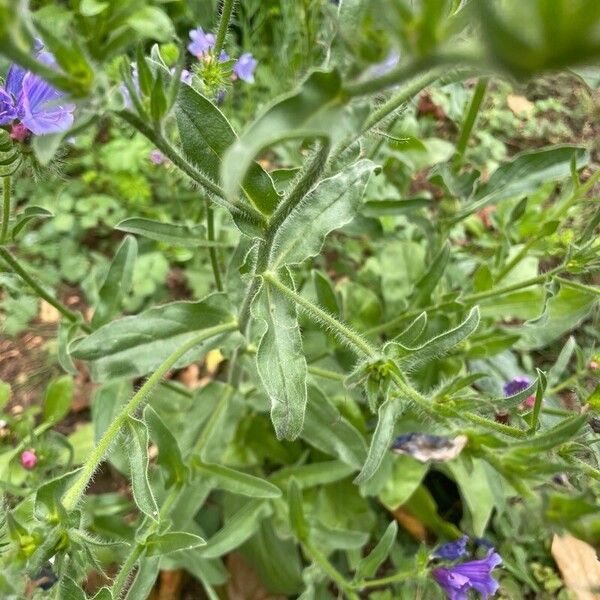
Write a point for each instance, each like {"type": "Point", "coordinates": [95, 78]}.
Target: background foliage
{"type": "Point", "coordinates": [222, 302]}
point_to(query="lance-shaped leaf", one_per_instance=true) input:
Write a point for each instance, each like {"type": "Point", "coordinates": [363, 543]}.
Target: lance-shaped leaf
{"type": "Point", "coordinates": [367, 567]}
{"type": "Point", "coordinates": [134, 346]}
{"type": "Point", "coordinates": [169, 233]}
{"type": "Point", "coordinates": [313, 474]}
{"type": "Point", "coordinates": [159, 544]}
{"type": "Point", "coordinates": [524, 174]}
{"type": "Point", "coordinates": [169, 453]}
{"type": "Point", "coordinates": [298, 521]}
{"type": "Point", "coordinates": [330, 205]}
{"type": "Point", "coordinates": [428, 281]}
{"type": "Point", "coordinates": [138, 460]}
{"type": "Point", "coordinates": [314, 111]}
{"type": "Point", "coordinates": [280, 359]}
{"type": "Point", "coordinates": [237, 482]}
{"type": "Point", "coordinates": [117, 282]}
{"type": "Point", "coordinates": [381, 441]}
{"type": "Point", "coordinates": [242, 525]}
{"type": "Point", "coordinates": [148, 569]}
{"type": "Point", "coordinates": [325, 429]}
{"type": "Point", "coordinates": [413, 358]}
{"type": "Point", "coordinates": [206, 135]}
{"type": "Point", "coordinates": [28, 215]}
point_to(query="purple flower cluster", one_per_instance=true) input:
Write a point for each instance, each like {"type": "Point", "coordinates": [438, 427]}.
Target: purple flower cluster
{"type": "Point", "coordinates": [457, 580]}
{"type": "Point", "coordinates": [30, 104]}
{"type": "Point", "coordinates": [201, 45]}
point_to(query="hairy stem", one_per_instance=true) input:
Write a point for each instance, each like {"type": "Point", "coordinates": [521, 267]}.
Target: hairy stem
{"type": "Point", "coordinates": [245, 211]}
{"type": "Point", "coordinates": [470, 118]}
{"type": "Point", "coordinates": [74, 493]}
{"type": "Point", "coordinates": [14, 264]}
{"type": "Point", "coordinates": [317, 557]}
{"type": "Point", "coordinates": [337, 327]}
{"type": "Point", "coordinates": [5, 208]}
{"type": "Point", "coordinates": [223, 25]}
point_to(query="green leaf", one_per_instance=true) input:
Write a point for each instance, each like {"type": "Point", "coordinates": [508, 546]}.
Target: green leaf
{"type": "Point", "coordinates": [314, 111]}
{"type": "Point", "coordinates": [314, 474]}
{"type": "Point", "coordinates": [405, 477]}
{"type": "Point", "coordinates": [151, 22]}
{"type": "Point", "coordinates": [412, 358]}
{"type": "Point", "coordinates": [554, 436]}
{"type": "Point", "coordinates": [381, 441]}
{"type": "Point", "coordinates": [429, 280]}
{"type": "Point", "coordinates": [237, 482]}
{"type": "Point", "coordinates": [169, 233]}
{"type": "Point", "coordinates": [159, 544]}
{"type": "Point", "coordinates": [67, 331]}
{"type": "Point", "coordinates": [392, 208]}
{"type": "Point", "coordinates": [325, 429]}
{"type": "Point", "coordinates": [117, 282]}
{"type": "Point", "coordinates": [169, 454]}
{"type": "Point", "coordinates": [280, 359]}
{"type": "Point", "coordinates": [138, 461]}
{"type": "Point", "coordinates": [330, 205]}
{"type": "Point", "coordinates": [206, 135]}
{"type": "Point", "coordinates": [57, 402]}
{"type": "Point", "coordinates": [134, 346]}
{"type": "Point", "coordinates": [525, 173]}
{"type": "Point", "coordinates": [413, 332]}
{"type": "Point", "coordinates": [242, 525]}
{"type": "Point", "coordinates": [91, 8]}
{"type": "Point", "coordinates": [147, 572]}
{"type": "Point", "coordinates": [325, 293]}
{"type": "Point", "coordinates": [298, 521]}
{"type": "Point", "coordinates": [69, 590]}
{"type": "Point", "coordinates": [29, 214]}
{"type": "Point", "coordinates": [367, 567]}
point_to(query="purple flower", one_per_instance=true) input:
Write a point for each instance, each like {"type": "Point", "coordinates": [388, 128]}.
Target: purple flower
{"type": "Point", "coordinates": [186, 76]}
{"type": "Point", "coordinates": [244, 67]}
{"type": "Point", "coordinates": [457, 580]}
{"type": "Point", "coordinates": [452, 550]}
{"type": "Point", "coordinates": [223, 56]}
{"type": "Point", "coordinates": [157, 157]}
{"type": "Point", "coordinates": [516, 385]}
{"type": "Point", "coordinates": [201, 42]}
{"type": "Point", "coordinates": [39, 106]}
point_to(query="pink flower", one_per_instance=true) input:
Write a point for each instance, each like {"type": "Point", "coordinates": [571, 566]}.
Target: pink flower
{"type": "Point", "coordinates": [29, 459]}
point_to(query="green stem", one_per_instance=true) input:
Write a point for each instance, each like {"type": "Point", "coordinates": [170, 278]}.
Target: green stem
{"type": "Point", "coordinates": [470, 118]}
{"type": "Point", "coordinates": [412, 394]}
{"type": "Point", "coordinates": [511, 264]}
{"type": "Point", "coordinates": [466, 300]}
{"type": "Point", "coordinates": [326, 373]}
{"type": "Point", "coordinates": [512, 479]}
{"type": "Point", "coordinates": [385, 581]}
{"type": "Point", "coordinates": [489, 424]}
{"type": "Point", "coordinates": [582, 287]}
{"type": "Point", "coordinates": [317, 557]}
{"type": "Point", "coordinates": [74, 493]}
{"type": "Point", "coordinates": [5, 208]}
{"type": "Point", "coordinates": [304, 182]}
{"type": "Point", "coordinates": [14, 264]}
{"type": "Point", "coordinates": [566, 383]}
{"type": "Point", "coordinates": [223, 25]}
{"type": "Point", "coordinates": [212, 251]}
{"type": "Point", "coordinates": [245, 211]}
{"type": "Point", "coordinates": [121, 579]}
{"type": "Point", "coordinates": [337, 327]}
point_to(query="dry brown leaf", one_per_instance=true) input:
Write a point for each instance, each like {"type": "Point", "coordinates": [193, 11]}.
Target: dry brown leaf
{"type": "Point", "coordinates": [579, 566]}
{"type": "Point", "coordinates": [519, 105]}
{"type": "Point", "coordinates": [412, 525]}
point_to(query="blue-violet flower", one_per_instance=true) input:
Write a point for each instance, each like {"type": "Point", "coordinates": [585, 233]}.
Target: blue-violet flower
{"type": "Point", "coordinates": [38, 106]}
{"type": "Point", "coordinates": [452, 550]}
{"type": "Point", "coordinates": [244, 67]}
{"type": "Point", "coordinates": [457, 580]}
